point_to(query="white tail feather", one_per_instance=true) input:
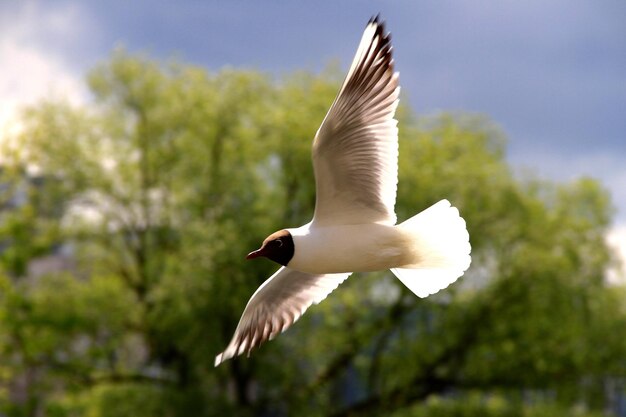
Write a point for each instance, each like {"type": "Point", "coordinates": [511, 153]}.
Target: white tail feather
{"type": "Point", "coordinates": [442, 243]}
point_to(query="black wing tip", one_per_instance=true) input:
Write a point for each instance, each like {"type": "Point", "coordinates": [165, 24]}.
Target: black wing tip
{"type": "Point", "coordinates": [380, 27]}
{"type": "Point", "coordinates": [376, 19]}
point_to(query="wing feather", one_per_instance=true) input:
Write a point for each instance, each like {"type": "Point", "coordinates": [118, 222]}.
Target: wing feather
{"type": "Point", "coordinates": [355, 151]}
{"type": "Point", "coordinates": [278, 303]}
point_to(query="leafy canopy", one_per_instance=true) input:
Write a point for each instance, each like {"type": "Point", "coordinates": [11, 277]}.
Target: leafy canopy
{"type": "Point", "coordinates": [160, 186]}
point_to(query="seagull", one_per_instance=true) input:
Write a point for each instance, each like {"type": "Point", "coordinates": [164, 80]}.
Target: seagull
{"type": "Point", "coordinates": [355, 159]}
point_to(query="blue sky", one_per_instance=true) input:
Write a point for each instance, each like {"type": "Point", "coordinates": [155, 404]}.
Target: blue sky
{"type": "Point", "coordinates": [551, 74]}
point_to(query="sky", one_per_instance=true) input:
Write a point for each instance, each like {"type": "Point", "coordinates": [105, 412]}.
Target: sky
{"type": "Point", "coordinates": [552, 74]}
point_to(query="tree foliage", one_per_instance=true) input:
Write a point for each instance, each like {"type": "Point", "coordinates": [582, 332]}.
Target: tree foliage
{"type": "Point", "coordinates": [161, 185]}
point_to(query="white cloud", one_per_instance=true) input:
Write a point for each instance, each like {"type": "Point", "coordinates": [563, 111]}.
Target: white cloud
{"type": "Point", "coordinates": [32, 66]}
{"type": "Point", "coordinates": [617, 240]}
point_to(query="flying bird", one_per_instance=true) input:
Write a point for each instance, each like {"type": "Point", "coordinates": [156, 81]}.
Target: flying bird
{"type": "Point", "coordinates": [355, 159]}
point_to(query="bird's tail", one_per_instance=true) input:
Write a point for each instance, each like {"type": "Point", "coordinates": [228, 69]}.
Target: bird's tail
{"type": "Point", "coordinates": [441, 244]}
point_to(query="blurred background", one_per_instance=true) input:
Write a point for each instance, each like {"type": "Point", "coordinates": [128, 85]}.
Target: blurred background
{"type": "Point", "coordinates": [146, 147]}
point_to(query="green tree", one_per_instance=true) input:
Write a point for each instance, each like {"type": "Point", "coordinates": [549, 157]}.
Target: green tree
{"type": "Point", "coordinates": [171, 175]}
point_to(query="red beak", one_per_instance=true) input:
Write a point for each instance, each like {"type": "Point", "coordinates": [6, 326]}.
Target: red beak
{"type": "Point", "coordinates": [255, 254]}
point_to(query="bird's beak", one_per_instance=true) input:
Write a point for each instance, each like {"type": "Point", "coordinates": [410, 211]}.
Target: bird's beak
{"type": "Point", "coordinates": [255, 254]}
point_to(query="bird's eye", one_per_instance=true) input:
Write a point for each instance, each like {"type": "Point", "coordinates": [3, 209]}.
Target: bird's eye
{"type": "Point", "coordinates": [279, 242]}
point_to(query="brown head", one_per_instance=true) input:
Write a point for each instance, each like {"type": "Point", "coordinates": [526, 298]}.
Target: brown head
{"type": "Point", "coordinates": [277, 247]}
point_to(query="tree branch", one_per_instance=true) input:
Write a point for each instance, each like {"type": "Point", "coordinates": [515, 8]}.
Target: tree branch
{"type": "Point", "coordinates": [428, 382]}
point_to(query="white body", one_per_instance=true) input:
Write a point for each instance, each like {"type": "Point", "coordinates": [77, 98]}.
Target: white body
{"type": "Point", "coordinates": [351, 248]}
{"type": "Point", "coordinates": [434, 241]}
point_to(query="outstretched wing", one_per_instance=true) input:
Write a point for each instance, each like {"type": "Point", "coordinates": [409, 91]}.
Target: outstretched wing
{"type": "Point", "coordinates": [276, 305]}
{"type": "Point", "coordinates": [355, 151]}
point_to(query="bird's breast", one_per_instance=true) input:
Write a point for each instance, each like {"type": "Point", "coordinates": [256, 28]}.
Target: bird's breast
{"type": "Point", "coordinates": [350, 248]}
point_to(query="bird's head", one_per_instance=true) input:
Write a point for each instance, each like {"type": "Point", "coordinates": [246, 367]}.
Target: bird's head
{"type": "Point", "coordinates": [277, 247]}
